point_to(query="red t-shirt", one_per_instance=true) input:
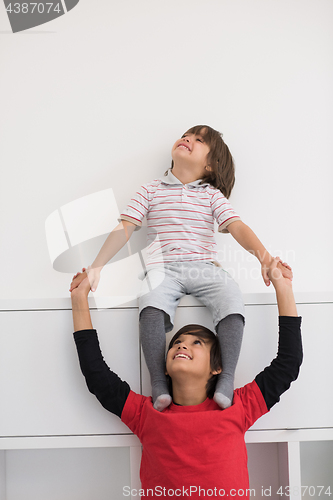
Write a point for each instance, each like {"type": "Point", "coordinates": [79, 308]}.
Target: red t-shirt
{"type": "Point", "coordinates": [194, 451]}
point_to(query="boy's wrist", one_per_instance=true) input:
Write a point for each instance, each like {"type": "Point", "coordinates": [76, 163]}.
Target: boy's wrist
{"type": "Point", "coordinates": [79, 297]}
{"type": "Point", "coordinates": [286, 302]}
{"type": "Point", "coordinates": [265, 259]}
{"type": "Point", "coordinates": [283, 285]}
{"type": "Point", "coordinates": [95, 267]}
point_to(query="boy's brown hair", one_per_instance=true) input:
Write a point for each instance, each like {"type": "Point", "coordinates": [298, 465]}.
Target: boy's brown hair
{"type": "Point", "coordinates": [215, 352]}
{"type": "Point", "coordinates": [222, 175]}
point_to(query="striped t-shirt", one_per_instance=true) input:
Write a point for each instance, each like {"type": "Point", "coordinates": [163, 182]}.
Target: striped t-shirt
{"type": "Point", "coordinates": [180, 219]}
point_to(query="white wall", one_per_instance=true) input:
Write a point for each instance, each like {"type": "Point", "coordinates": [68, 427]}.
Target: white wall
{"type": "Point", "coordinates": [107, 89]}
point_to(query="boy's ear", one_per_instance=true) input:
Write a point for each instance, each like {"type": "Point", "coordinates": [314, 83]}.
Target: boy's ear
{"type": "Point", "coordinates": [217, 372]}
{"type": "Point", "coordinates": [209, 168]}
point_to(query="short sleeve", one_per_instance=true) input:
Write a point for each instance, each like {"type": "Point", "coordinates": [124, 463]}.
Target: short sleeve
{"type": "Point", "coordinates": [222, 211]}
{"type": "Point", "coordinates": [137, 207]}
{"type": "Point", "coordinates": [253, 403]}
{"type": "Point", "coordinates": [133, 411]}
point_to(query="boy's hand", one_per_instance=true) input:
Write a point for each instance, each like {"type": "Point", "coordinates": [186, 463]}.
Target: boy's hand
{"type": "Point", "coordinates": [282, 266]}
{"type": "Point", "coordinates": [82, 289]}
{"type": "Point", "coordinates": [279, 272]}
{"type": "Point", "coordinates": [93, 275]}
{"type": "Point", "coordinates": [77, 279]}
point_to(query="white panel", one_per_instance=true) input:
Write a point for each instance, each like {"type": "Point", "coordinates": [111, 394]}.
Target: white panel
{"type": "Point", "coordinates": [3, 475]}
{"type": "Point", "coordinates": [305, 404]}
{"type": "Point", "coordinates": [135, 456]}
{"type": "Point", "coordinates": [41, 386]}
{"type": "Point", "coordinates": [263, 470]}
{"type": "Point", "coordinates": [283, 464]}
{"type": "Point", "coordinates": [294, 468]}
{"type": "Point", "coordinates": [84, 474]}
{"type": "Point", "coordinates": [317, 469]}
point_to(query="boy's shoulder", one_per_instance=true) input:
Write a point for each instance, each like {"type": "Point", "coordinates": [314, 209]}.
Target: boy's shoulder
{"type": "Point", "coordinates": [153, 184]}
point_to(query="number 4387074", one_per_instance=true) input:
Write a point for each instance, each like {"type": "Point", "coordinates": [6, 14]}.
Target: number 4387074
{"type": "Point", "coordinates": [311, 491]}
{"type": "Point", "coordinates": [33, 7]}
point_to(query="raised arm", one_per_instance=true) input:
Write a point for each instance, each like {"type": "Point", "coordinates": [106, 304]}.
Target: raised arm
{"type": "Point", "coordinates": [108, 388]}
{"type": "Point", "coordinates": [283, 289]}
{"type": "Point", "coordinates": [244, 235]}
{"type": "Point", "coordinates": [80, 306]}
{"type": "Point", "coordinates": [275, 379]}
{"type": "Point", "coordinates": [113, 243]}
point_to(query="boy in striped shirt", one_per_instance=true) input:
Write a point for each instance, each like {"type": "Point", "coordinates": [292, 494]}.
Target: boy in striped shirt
{"type": "Point", "coordinates": [181, 259]}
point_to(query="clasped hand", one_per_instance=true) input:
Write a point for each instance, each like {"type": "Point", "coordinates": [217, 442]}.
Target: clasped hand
{"type": "Point", "coordinates": [93, 275]}
{"type": "Point", "coordinates": [277, 264]}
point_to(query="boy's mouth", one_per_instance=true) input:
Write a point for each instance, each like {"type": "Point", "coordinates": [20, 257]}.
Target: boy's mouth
{"type": "Point", "coordinates": [183, 145]}
{"type": "Point", "coordinates": [182, 355]}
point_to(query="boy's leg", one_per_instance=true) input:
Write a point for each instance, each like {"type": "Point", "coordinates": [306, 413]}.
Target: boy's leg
{"type": "Point", "coordinates": [230, 334]}
{"type": "Point", "coordinates": [216, 289]}
{"type": "Point", "coordinates": [152, 336]}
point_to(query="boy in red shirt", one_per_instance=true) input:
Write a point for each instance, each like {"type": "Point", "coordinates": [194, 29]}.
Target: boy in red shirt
{"type": "Point", "coordinates": [193, 448]}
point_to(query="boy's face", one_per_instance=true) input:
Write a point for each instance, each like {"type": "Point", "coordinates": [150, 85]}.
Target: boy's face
{"type": "Point", "coordinates": [190, 356]}
{"type": "Point", "coordinates": [192, 151]}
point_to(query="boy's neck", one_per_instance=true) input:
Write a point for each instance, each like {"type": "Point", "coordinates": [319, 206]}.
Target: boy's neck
{"type": "Point", "coordinates": [184, 175]}
{"type": "Point", "coordinates": [188, 395]}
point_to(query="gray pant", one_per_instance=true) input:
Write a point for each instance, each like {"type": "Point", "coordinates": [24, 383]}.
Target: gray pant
{"type": "Point", "coordinates": [164, 286]}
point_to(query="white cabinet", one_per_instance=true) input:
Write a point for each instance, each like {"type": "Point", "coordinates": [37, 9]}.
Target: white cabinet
{"type": "Point", "coordinates": [41, 385]}
{"type": "Point", "coordinates": [67, 474]}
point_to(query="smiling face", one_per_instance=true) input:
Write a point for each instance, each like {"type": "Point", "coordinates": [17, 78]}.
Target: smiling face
{"type": "Point", "coordinates": [190, 152]}
{"type": "Point", "coordinates": [190, 355]}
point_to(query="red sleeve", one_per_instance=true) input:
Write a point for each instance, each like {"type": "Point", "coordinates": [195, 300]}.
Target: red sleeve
{"type": "Point", "coordinates": [253, 403]}
{"type": "Point", "coordinates": [133, 412]}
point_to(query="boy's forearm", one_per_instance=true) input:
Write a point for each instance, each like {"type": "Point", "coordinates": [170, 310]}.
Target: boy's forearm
{"type": "Point", "coordinates": [81, 313]}
{"type": "Point", "coordinates": [285, 300]}
{"type": "Point", "coordinates": [113, 243]}
{"type": "Point", "coordinates": [244, 235]}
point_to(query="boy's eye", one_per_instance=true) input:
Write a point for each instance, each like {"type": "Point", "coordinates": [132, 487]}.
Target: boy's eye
{"type": "Point", "coordinates": [197, 341]}
{"type": "Point", "coordinates": [199, 139]}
